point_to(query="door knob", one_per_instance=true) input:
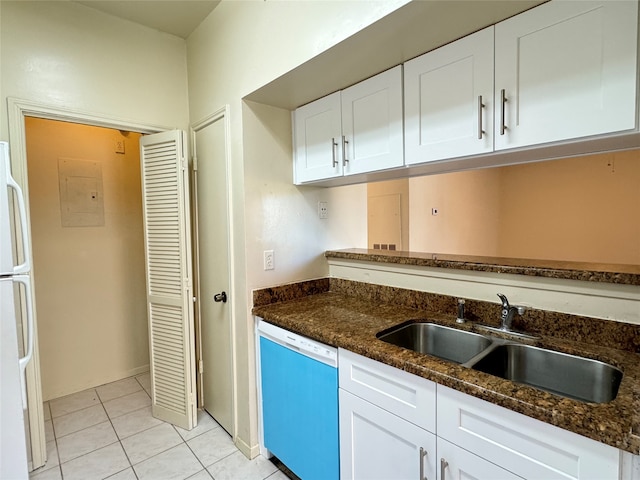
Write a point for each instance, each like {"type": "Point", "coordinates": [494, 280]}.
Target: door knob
{"type": "Point", "coordinates": [220, 297]}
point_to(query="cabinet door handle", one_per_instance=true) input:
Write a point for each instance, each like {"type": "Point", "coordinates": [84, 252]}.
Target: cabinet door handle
{"type": "Point", "coordinates": [334, 144]}
{"type": "Point", "coordinates": [503, 101]}
{"type": "Point", "coordinates": [345, 142]}
{"type": "Point", "coordinates": [423, 453]}
{"type": "Point", "coordinates": [480, 107]}
{"type": "Point", "coordinates": [443, 465]}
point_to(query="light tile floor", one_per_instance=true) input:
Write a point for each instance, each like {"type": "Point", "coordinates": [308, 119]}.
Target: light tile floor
{"type": "Point", "coordinates": [108, 432]}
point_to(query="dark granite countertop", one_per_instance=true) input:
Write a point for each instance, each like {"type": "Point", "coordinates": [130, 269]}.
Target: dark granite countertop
{"type": "Point", "coordinates": [591, 272]}
{"type": "Point", "coordinates": [351, 322]}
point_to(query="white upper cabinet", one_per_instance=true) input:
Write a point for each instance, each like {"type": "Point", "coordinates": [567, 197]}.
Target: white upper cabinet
{"type": "Point", "coordinates": [372, 123]}
{"type": "Point", "coordinates": [353, 131]}
{"type": "Point", "coordinates": [317, 136]}
{"type": "Point", "coordinates": [566, 69]}
{"type": "Point", "coordinates": [552, 76]}
{"type": "Point", "coordinates": [448, 97]}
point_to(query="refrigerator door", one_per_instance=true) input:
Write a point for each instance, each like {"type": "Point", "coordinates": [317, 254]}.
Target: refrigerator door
{"type": "Point", "coordinates": [13, 448]}
{"type": "Point", "coordinates": [7, 264]}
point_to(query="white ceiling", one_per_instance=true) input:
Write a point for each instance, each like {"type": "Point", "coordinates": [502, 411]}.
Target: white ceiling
{"type": "Point", "coordinates": [177, 17]}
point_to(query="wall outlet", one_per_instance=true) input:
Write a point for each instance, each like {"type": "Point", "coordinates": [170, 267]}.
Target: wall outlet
{"type": "Point", "coordinates": [323, 209]}
{"type": "Point", "coordinates": [268, 260]}
{"type": "Point", "coordinates": [120, 145]}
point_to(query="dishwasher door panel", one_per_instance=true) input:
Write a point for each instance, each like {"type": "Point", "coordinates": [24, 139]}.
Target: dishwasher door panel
{"type": "Point", "coordinates": [300, 411]}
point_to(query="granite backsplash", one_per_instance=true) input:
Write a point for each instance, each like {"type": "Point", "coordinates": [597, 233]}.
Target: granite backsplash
{"type": "Point", "coordinates": [575, 328]}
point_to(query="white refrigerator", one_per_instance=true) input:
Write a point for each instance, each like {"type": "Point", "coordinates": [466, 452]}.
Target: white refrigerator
{"type": "Point", "coordinates": [15, 288]}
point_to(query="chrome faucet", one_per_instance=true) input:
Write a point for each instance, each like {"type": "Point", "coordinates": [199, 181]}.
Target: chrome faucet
{"type": "Point", "coordinates": [507, 313]}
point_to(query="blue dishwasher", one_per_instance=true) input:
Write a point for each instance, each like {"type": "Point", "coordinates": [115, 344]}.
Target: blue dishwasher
{"type": "Point", "coordinates": [299, 381]}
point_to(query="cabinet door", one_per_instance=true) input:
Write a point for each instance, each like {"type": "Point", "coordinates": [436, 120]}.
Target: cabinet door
{"type": "Point", "coordinates": [317, 140]}
{"type": "Point", "coordinates": [375, 444]}
{"type": "Point", "coordinates": [372, 123]}
{"type": "Point", "coordinates": [455, 463]}
{"type": "Point", "coordinates": [445, 91]}
{"type": "Point", "coordinates": [568, 70]}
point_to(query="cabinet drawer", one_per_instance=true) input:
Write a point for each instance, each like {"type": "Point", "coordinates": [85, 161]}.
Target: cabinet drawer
{"type": "Point", "coordinates": [520, 444]}
{"type": "Point", "coordinates": [401, 393]}
{"type": "Point", "coordinates": [456, 463]}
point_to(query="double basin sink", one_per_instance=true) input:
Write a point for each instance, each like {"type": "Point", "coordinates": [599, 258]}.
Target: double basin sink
{"type": "Point", "coordinates": [566, 375]}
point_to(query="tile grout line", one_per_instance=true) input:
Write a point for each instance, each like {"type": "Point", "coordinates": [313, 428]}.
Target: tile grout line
{"type": "Point", "coordinates": [109, 419]}
{"type": "Point", "coordinates": [192, 452]}
{"type": "Point", "coordinates": [119, 439]}
{"type": "Point", "coordinates": [55, 440]}
{"type": "Point", "coordinates": [198, 458]}
{"type": "Point", "coordinates": [84, 428]}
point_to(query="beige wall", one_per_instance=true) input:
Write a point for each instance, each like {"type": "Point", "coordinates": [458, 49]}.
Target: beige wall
{"type": "Point", "coordinates": [577, 209]}
{"type": "Point", "coordinates": [468, 213]}
{"type": "Point", "coordinates": [90, 281]}
{"type": "Point", "coordinates": [71, 56]}
{"type": "Point", "coordinates": [580, 209]}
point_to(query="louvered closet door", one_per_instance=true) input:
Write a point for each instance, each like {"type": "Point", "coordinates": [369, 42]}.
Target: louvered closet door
{"type": "Point", "coordinates": [169, 281]}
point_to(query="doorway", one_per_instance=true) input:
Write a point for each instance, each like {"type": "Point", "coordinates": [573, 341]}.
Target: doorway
{"type": "Point", "coordinates": [18, 111]}
{"type": "Point", "coordinates": [88, 250]}
{"type": "Point", "coordinates": [212, 253]}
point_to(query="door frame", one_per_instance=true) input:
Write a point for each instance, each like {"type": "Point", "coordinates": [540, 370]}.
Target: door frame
{"type": "Point", "coordinates": [17, 110]}
{"type": "Point", "coordinates": [222, 114]}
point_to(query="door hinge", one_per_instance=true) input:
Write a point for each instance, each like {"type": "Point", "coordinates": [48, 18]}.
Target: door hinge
{"type": "Point", "coordinates": [200, 367]}
{"type": "Point", "coordinates": [194, 162]}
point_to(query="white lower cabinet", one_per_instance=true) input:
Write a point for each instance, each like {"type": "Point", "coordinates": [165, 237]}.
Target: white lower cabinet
{"type": "Point", "coordinates": [393, 424]}
{"type": "Point", "coordinates": [455, 463]}
{"type": "Point", "coordinates": [387, 421]}
{"type": "Point", "coordinates": [376, 444]}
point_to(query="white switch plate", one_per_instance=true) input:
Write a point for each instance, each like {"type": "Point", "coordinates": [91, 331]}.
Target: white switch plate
{"type": "Point", "coordinates": [323, 209]}
{"type": "Point", "coordinates": [120, 145]}
{"type": "Point", "coordinates": [268, 260]}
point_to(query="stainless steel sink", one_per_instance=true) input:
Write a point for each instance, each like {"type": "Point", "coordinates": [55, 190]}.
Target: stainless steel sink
{"type": "Point", "coordinates": [563, 374]}
{"type": "Point", "coordinates": [443, 342]}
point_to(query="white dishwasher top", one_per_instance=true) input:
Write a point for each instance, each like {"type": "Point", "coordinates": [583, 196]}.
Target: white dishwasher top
{"type": "Point", "coordinates": [306, 346]}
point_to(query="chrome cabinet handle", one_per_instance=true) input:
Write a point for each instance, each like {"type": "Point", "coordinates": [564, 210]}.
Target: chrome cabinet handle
{"type": "Point", "coordinates": [333, 152]}
{"type": "Point", "coordinates": [423, 453]}
{"type": "Point", "coordinates": [345, 142]}
{"type": "Point", "coordinates": [443, 465]}
{"type": "Point", "coordinates": [480, 107]}
{"type": "Point", "coordinates": [503, 101]}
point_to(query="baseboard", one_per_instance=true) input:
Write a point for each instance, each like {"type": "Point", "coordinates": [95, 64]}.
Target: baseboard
{"type": "Point", "coordinates": [113, 377]}
{"type": "Point", "coordinates": [250, 452]}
